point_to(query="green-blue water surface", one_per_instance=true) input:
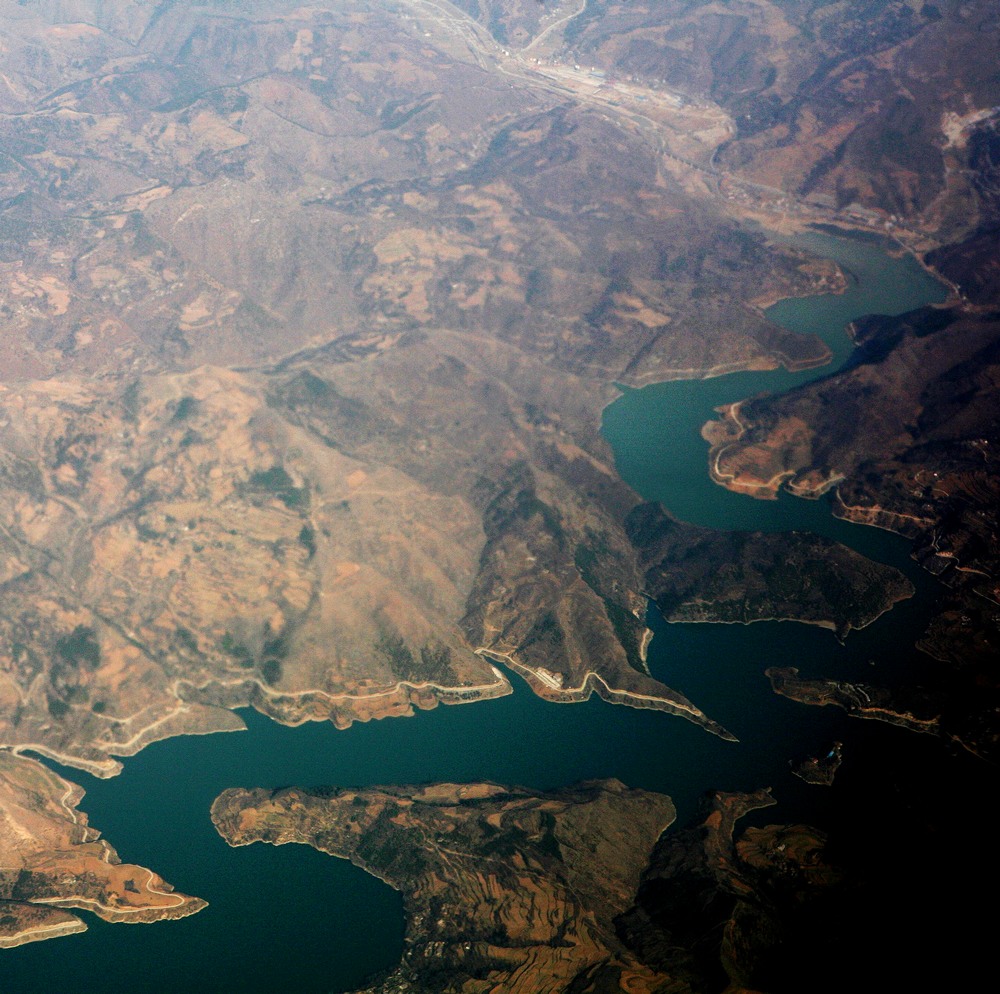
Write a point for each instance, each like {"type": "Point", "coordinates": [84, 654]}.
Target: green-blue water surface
{"type": "Point", "coordinates": [293, 919]}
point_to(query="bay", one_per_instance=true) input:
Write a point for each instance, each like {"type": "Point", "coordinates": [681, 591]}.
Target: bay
{"type": "Point", "coordinates": [291, 918]}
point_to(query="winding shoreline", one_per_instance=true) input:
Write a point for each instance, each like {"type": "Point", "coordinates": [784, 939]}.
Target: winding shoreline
{"type": "Point", "coordinates": [594, 683]}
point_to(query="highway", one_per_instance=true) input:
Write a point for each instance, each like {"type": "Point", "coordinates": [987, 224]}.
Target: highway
{"type": "Point", "coordinates": [445, 22]}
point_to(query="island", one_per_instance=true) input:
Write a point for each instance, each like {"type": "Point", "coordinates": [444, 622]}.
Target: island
{"type": "Point", "coordinates": [820, 769]}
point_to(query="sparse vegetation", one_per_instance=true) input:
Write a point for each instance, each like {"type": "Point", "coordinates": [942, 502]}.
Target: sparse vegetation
{"type": "Point", "coordinates": [187, 639]}
{"type": "Point", "coordinates": [186, 406]}
{"type": "Point", "coordinates": [277, 482]}
{"type": "Point", "coordinates": [80, 647]}
{"type": "Point", "coordinates": [435, 661]}
{"type": "Point", "coordinates": [307, 539]}
{"type": "Point", "coordinates": [276, 645]}
{"type": "Point", "coordinates": [237, 650]}
{"type": "Point", "coordinates": [57, 708]}
{"type": "Point", "coordinates": [395, 651]}
{"type": "Point", "coordinates": [131, 400]}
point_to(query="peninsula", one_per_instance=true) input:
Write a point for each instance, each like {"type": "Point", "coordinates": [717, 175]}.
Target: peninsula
{"type": "Point", "coordinates": [310, 315]}
{"type": "Point", "coordinates": [567, 890]}
{"type": "Point", "coordinates": [54, 860]}
{"type": "Point", "coordinates": [503, 888]}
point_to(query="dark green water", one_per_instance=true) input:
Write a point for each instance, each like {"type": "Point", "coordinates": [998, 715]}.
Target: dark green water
{"type": "Point", "coordinates": [293, 919]}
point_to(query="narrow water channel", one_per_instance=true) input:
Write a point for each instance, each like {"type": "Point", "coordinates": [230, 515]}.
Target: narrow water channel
{"type": "Point", "coordinates": [293, 919]}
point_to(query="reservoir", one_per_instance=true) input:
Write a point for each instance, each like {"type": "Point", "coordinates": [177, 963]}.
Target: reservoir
{"type": "Point", "coordinates": [293, 919]}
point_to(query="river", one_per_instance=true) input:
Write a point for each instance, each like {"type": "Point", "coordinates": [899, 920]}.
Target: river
{"type": "Point", "coordinates": [294, 919]}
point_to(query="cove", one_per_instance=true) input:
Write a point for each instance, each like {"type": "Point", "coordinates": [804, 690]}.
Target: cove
{"type": "Point", "coordinates": [655, 431]}
{"type": "Point", "coordinates": [291, 918]}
